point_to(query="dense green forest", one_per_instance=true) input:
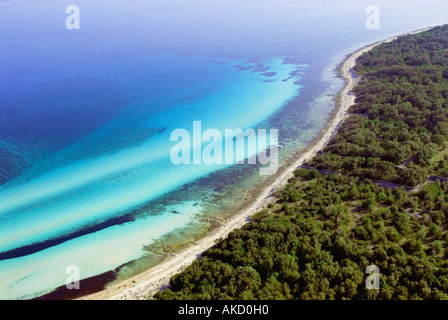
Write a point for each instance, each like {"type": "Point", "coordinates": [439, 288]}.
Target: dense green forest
{"type": "Point", "coordinates": [399, 127]}
{"type": "Point", "coordinates": [316, 240]}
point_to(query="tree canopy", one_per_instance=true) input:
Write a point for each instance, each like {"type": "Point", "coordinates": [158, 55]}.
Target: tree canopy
{"type": "Point", "coordinates": [324, 230]}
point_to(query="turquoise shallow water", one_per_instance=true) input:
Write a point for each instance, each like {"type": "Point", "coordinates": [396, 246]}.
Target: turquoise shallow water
{"type": "Point", "coordinates": [86, 116]}
{"type": "Point", "coordinates": [109, 182]}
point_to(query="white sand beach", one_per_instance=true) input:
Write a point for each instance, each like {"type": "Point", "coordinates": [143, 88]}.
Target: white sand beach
{"type": "Point", "coordinates": [146, 284]}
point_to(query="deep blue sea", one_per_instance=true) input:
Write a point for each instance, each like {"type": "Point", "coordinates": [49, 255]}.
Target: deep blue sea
{"type": "Point", "coordinates": [86, 116]}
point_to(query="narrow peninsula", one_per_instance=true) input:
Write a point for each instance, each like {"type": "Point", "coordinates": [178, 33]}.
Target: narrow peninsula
{"type": "Point", "coordinates": [377, 194]}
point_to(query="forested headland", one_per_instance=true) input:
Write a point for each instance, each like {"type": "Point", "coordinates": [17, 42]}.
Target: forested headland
{"type": "Point", "coordinates": [399, 123]}
{"type": "Point", "coordinates": [343, 213]}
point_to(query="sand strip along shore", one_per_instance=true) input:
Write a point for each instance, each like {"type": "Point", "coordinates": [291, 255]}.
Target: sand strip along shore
{"type": "Point", "coordinates": [146, 284]}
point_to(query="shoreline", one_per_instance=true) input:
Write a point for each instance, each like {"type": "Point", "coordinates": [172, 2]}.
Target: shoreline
{"type": "Point", "coordinates": [147, 283]}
